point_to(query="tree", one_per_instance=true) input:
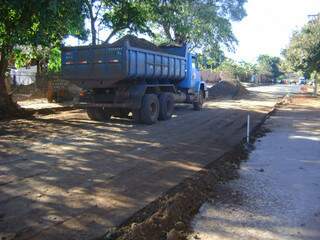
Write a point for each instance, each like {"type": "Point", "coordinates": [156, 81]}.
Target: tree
{"type": "Point", "coordinates": [127, 15]}
{"type": "Point", "coordinates": [92, 11]}
{"type": "Point", "coordinates": [270, 66]}
{"type": "Point", "coordinates": [117, 16]}
{"type": "Point", "coordinates": [34, 22]}
{"type": "Point", "coordinates": [211, 59]}
{"type": "Point", "coordinates": [203, 24]}
{"type": "Point", "coordinates": [303, 52]}
{"type": "Point", "coordinates": [239, 70]}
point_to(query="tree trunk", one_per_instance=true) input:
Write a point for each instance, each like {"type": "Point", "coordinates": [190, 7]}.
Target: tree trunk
{"type": "Point", "coordinates": [93, 31]}
{"type": "Point", "coordinates": [315, 86]}
{"type": "Point", "coordinates": [90, 5]}
{"type": "Point", "coordinates": [7, 106]}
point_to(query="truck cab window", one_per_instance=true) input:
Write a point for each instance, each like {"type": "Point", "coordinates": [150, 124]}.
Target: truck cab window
{"type": "Point", "coordinates": [194, 62]}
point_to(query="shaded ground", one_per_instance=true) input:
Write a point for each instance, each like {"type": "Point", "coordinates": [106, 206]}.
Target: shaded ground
{"type": "Point", "coordinates": [63, 176]}
{"type": "Point", "coordinates": [278, 193]}
{"type": "Point", "coordinates": [42, 103]}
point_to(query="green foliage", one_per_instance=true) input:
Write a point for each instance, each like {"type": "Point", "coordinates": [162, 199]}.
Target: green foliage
{"type": "Point", "coordinates": [303, 52]}
{"type": "Point", "coordinates": [39, 22]}
{"type": "Point", "coordinates": [126, 15]}
{"type": "Point", "coordinates": [269, 66]}
{"type": "Point", "coordinates": [203, 24]}
{"type": "Point", "coordinates": [211, 59]}
{"type": "Point", "coordinates": [228, 66]}
{"type": "Point", "coordinates": [247, 68]}
{"type": "Point", "coordinates": [54, 64]}
{"type": "Point", "coordinates": [239, 70]}
{"type": "Point", "coordinates": [27, 55]}
{"type": "Point", "coordinates": [28, 29]}
{"type": "Point", "coordinates": [22, 57]}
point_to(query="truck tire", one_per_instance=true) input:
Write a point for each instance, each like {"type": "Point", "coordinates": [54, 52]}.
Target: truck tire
{"type": "Point", "coordinates": [197, 105]}
{"type": "Point", "coordinates": [166, 101]}
{"type": "Point", "coordinates": [149, 112]}
{"type": "Point", "coordinates": [98, 114]}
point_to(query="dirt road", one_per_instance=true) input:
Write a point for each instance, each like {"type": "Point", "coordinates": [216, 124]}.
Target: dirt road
{"type": "Point", "coordinates": [63, 176]}
{"type": "Point", "coordinates": [277, 196]}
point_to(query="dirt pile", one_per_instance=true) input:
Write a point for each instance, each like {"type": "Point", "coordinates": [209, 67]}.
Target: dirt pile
{"type": "Point", "coordinates": [136, 42]}
{"type": "Point", "coordinates": [227, 89]}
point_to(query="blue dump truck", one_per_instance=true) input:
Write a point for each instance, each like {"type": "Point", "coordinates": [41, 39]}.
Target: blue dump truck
{"type": "Point", "coordinates": [133, 77]}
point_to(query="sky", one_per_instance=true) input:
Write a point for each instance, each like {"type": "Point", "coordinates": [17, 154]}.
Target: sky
{"type": "Point", "coordinates": [269, 25]}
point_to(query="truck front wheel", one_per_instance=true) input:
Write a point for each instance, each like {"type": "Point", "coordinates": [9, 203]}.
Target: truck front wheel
{"type": "Point", "coordinates": [98, 114]}
{"type": "Point", "coordinates": [166, 101]}
{"type": "Point", "coordinates": [149, 112]}
{"type": "Point", "coordinates": [197, 105]}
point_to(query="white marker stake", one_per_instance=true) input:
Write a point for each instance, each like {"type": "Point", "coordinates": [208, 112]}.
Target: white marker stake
{"type": "Point", "coordinates": [248, 129]}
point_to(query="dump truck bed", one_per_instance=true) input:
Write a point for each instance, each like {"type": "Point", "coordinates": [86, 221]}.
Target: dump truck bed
{"type": "Point", "coordinates": [125, 61]}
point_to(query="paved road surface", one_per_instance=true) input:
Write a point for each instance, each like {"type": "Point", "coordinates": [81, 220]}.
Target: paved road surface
{"type": "Point", "coordinates": [280, 89]}
{"type": "Point", "coordinates": [63, 176]}
{"type": "Point", "coordinates": [277, 196]}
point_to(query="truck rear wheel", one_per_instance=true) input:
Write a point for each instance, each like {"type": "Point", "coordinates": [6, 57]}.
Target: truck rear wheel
{"type": "Point", "coordinates": [98, 114]}
{"type": "Point", "coordinates": [197, 105]}
{"type": "Point", "coordinates": [166, 101]}
{"type": "Point", "coordinates": [149, 112]}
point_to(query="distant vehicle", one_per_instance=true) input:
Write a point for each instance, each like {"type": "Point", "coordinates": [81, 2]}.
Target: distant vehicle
{"type": "Point", "coordinates": [302, 81]}
{"type": "Point", "coordinates": [134, 76]}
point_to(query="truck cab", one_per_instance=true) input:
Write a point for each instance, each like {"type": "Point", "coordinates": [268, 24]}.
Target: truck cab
{"type": "Point", "coordinates": [193, 79]}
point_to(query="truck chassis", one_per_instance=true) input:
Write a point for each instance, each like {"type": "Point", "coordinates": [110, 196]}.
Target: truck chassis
{"type": "Point", "coordinates": [147, 103]}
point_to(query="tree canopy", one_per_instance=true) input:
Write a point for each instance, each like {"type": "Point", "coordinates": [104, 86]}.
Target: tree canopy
{"type": "Point", "coordinates": [203, 24]}
{"type": "Point", "coordinates": [269, 65]}
{"type": "Point", "coordinates": [117, 16]}
{"type": "Point", "coordinates": [34, 29]}
{"type": "Point", "coordinates": [34, 23]}
{"type": "Point", "coordinates": [303, 52]}
{"type": "Point", "coordinates": [126, 15]}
